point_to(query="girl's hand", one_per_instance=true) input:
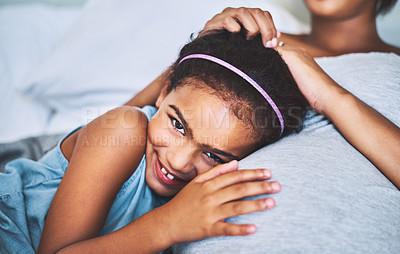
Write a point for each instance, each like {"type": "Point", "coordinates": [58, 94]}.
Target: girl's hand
{"type": "Point", "coordinates": [254, 20]}
{"type": "Point", "coordinates": [316, 86]}
{"type": "Point", "coordinates": [198, 211]}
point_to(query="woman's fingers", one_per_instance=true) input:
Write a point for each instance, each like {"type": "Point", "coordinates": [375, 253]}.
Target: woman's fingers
{"type": "Point", "coordinates": [230, 20]}
{"type": "Point", "coordinates": [254, 20]}
{"type": "Point", "coordinates": [245, 17]}
{"type": "Point", "coordinates": [266, 27]}
{"type": "Point", "coordinates": [220, 22]}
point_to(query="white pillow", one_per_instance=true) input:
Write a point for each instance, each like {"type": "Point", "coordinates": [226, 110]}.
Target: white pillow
{"type": "Point", "coordinates": [117, 47]}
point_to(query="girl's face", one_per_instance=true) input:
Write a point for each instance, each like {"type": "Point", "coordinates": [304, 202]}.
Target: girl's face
{"type": "Point", "coordinates": [192, 132]}
{"type": "Point", "coordinates": [340, 9]}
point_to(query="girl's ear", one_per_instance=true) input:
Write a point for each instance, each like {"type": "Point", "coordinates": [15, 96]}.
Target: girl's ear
{"type": "Point", "coordinates": [162, 95]}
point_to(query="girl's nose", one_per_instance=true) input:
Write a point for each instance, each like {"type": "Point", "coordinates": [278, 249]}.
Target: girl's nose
{"type": "Point", "coordinates": [180, 159]}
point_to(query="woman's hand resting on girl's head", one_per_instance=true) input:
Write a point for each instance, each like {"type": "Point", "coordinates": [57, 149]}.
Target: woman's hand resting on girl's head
{"type": "Point", "coordinates": [200, 208]}
{"type": "Point", "coordinates": [254, 20]}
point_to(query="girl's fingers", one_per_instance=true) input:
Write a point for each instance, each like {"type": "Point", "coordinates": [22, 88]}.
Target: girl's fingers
{"type": "Point", "coordinates": [217, 171]}
{"type": "Point", "coordinates": [239, 176]}
{"type": "Point", "coordinates": [230, 229]}
{"type": "Point", "coordinates": [246, 189]}
{"type": "Point", "coordinates": [236, 208]}
{"type": "Point", "coordinates": [266, 27]}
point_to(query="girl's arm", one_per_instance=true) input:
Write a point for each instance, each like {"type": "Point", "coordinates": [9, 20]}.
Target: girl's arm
{"type": "Point", "coordinates": [198, 211]}
{"type": "Point", "coordinates": [98, 167]}
{"type": "Point", "coordinates": [376, 137]}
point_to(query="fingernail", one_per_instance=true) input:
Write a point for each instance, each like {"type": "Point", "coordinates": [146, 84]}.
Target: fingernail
{"type": "Point", "coordinates": [268, 44]}
{"type": "Point", "coordinates": [267, 173]}
{"type": "Point", "coordinates": [278, 34]}
{"type": "Point", "coordinates": [275, 186]}
{"type": "Point", "coordinates": [251, 229]}
{"type": "Point", "coordinates": [269, 203]}
{"type": "Point", "coordinates": [274, 42]}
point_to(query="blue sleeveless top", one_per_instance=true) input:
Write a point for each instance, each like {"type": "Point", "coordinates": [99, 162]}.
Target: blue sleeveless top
{"type": "Point", "coordinates": [28, 187]}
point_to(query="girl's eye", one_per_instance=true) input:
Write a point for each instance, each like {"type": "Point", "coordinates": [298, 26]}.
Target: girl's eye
{"type": "Point", "coordinates": [214, 157]}
{"type": "Point", "coordinates": [178, 126]}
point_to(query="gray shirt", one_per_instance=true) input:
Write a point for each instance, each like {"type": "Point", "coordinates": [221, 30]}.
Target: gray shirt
{"type": "Point", "coordinates": [333, 200]}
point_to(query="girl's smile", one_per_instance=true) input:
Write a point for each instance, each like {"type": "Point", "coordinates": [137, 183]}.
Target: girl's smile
{"type": "Point", "coordinates": [166, 176]}
{"type": "Point", "coordinates": [192, 132]}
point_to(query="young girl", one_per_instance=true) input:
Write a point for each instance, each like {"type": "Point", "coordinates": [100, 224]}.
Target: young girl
{"type": "Point", "coordinates": [226, 98]}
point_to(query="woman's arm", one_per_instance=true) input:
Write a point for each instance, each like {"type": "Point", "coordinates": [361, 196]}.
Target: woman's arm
{"type": "Point", "coordinates": [372, 134]}
{"type": "Point", "coordinates": [150, 93]}
{"type": "Point", "coordinates": [376, 137]}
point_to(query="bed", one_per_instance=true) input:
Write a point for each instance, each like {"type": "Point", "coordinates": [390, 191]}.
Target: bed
{"type": "Point", "coordinates": [63, 63]}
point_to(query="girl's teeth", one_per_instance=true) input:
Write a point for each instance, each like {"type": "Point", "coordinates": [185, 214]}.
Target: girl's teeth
{"type": "Point", "coordinates": [167, 174]}
{"type": "Point", "coordinates": [170, 176]}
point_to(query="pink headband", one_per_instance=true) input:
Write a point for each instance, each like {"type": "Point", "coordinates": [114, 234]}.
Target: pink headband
{"type": "Point", "coordinates": [244, 76]}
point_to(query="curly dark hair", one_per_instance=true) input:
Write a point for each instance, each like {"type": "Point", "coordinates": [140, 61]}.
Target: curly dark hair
{"type": "Point", "coordinates": [264, 65]}
{"type": "Point", "coordinates": [384, 6]}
